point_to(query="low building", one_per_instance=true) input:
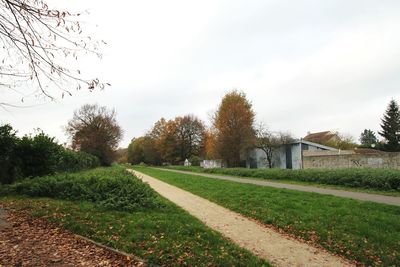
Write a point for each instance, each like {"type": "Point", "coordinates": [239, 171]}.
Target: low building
{"type": "Point", "coordinates": [287, 156]}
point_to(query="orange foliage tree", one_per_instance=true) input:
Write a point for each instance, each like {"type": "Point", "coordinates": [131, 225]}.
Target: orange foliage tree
{"type": "Point", "coordinates": [234, 125]}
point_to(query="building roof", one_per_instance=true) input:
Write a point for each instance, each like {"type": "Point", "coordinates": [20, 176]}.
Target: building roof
{"type": "Point", "coordinates": [320, 137]}
{"type": "Point", "coordinates": [301, 141]}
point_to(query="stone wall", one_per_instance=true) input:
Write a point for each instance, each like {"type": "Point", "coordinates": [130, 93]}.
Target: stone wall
{"type": "Point", "coordinates": [350, 159]}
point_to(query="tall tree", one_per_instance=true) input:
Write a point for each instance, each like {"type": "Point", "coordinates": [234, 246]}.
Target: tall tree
{"type": "Point", "coordinates": [37, 42]}
{"type": "Point", "coordinates": [143, 149]}
{"type": "Point", "coordinates": [234, 124]}
{"type": "Point", "coordinates": [94, 129]}
{"type": "Point", "coordinates": [391, 127]}
{"type": "Point", "coordinates": [164, 135]}
{"type": "Point", "coordinates": [190, 135]}
{"type": "Point", "coordinates": [368, 138]}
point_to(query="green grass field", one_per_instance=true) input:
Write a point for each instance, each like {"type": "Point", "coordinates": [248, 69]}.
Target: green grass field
{"type": "Point", "coordinates": [159, 232]}
{"type": "Point", "coordinates": [366, 181]}
{"type": "Point", "coordinates": [363, 231]}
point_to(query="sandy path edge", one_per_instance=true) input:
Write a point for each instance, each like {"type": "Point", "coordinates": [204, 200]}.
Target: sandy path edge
{"type": "Point", "coordinates": [278, 249]}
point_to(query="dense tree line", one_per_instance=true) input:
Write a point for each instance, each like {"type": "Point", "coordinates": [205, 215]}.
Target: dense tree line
{"type": "Point", "coordinates": [37, 155]}
{"type": "Point", "coordinates": [171, 141]}
{"type": "Point", "coordinates": [230, 137]}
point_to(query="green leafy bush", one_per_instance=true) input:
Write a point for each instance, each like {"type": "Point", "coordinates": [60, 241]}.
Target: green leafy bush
{"type": "Point", "coordinates": [8, 157]}
{"type": "Point", "coordinates": [195, 160]}
{"type": "Point", "coordinates": [111, 188]}
{"type": "Point", "coordinates": [38, 155]}
{"type": "Point", "coordinates": [380, 179]}
{"type": "Point", "coordinates": [76, 161]}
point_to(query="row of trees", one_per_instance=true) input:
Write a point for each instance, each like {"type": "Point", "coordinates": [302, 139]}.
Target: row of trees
{"type": "Point", "coordinates": [232, 135]}
{"type": "Point", "coordinates": [170, 141]}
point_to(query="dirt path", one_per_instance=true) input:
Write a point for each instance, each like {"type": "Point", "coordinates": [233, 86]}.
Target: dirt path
{"type": "Point", "coordinates": [278, 249]}
{"type": "Point", "coordinates": [27, 241]}
{"type": "Point", "coordinates": [390, 200]}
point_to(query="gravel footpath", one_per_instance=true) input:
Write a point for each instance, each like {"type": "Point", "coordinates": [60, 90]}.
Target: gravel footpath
{"type": "Point", "coordinates": [265, 242]}
{"type": "Point", "coordinates": [27, 241]}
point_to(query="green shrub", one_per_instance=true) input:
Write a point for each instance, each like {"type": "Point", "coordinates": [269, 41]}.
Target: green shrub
{"type": "Point", "coordinates": [71, 161]}
{"type": "Point", "coordinates": [195, 160]}
{"type": "Point", "coordinates": [111, 188]}
{"type": "Point", "coordinates": [380, 179]}
{"type": "Point", "coordinates": [38, 155]}
{"type": "Point", "coordinates": [8, 157]}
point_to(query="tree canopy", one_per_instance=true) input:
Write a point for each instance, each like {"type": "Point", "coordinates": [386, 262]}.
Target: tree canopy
{"type": "Point", "coordinates": [368, 138]}
{"type": "Point", "coordinates": [234, 125]}
{"type": "Point", "coordinates": [94, 129]}
{"type": "Point", "coordinates": [169, 141]}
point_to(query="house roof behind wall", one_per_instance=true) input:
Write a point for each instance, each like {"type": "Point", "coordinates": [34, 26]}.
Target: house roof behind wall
{"type": "Point", "coordinates": [320, 137]}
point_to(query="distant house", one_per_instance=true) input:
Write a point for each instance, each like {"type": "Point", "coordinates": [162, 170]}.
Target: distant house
{"type": "Point", "coordinates": [287, 156]}
{"type": "Point", "coordinates": [321, 137]}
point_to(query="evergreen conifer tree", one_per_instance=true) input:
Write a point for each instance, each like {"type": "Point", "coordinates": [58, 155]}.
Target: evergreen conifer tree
{"type": "Point", "coordinates": [391, 127]}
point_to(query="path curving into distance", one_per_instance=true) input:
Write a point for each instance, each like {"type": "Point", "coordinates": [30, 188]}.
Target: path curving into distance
{"type": "Point", "coordinates": [265, 242]}
{"type": "Point", "coordinates": [390, 200]}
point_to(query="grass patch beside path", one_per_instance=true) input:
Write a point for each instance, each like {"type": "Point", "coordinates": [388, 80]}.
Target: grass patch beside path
{"type": "Point", "coordinates": [342, 179]}
{"type": "Point", "coordinates": [166, 236]}
{"type": "Point", "coordinates": [363, 231]}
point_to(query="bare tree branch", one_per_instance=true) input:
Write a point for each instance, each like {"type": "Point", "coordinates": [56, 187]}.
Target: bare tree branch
{"type": "Point", "coordinates": [35, 40]}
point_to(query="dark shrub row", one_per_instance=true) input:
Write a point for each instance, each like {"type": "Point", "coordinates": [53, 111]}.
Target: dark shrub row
{"type": "Point", "coordinates": [111, 188]}
{"type": "Point", "coordinates": [38, 155]}
{"type": "Point", "coordinates": [380, 179]}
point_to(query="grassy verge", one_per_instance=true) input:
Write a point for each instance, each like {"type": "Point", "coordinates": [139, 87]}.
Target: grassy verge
{"type": "Point", "coordinates": [284, 176]}
{"type": "Point", "coordinates": [363, 231]}
{"type": "Point", "coordinates": [161, 233]}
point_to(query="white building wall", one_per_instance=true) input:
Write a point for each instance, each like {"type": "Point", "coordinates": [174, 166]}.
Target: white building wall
{"type": "Point", "coordinates": [279, 156]}
{"type": "Point", "coordinates": [296, 156]}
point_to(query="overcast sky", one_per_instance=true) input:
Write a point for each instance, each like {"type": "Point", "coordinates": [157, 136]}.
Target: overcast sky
{"type": "Point", "coordinates": [305, 65]}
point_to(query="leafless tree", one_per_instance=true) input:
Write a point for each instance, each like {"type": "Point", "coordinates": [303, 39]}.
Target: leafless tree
{"type": "Point", "coordinates": [269, 141]}
{"type": "Point", "coordinates": [37, 44]}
